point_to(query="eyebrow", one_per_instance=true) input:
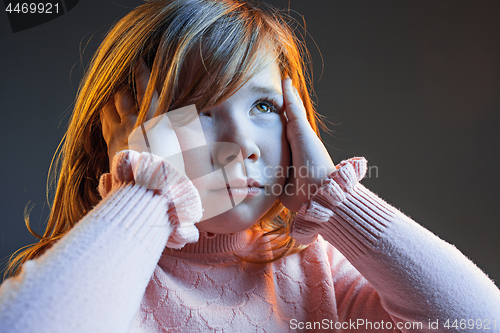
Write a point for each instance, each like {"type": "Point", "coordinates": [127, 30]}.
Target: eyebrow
{"type": "Point", "coordinates": [266, 90]}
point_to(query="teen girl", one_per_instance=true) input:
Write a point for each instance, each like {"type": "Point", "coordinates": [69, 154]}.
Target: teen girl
{"type": "Point", "coordinates": [123, 251]}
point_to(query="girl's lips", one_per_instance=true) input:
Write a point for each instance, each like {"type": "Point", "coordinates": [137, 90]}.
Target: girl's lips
{"type": "Point", "coordinates": [243, 182]}
{"type": "Point", "coordinates": [249, 191]}
{"type": "Point", "coordinates": [253, 183]}
{"type": "Point", "coordinates": [240, 188]}
{"type": "Point", "coordinates": [244, 188]}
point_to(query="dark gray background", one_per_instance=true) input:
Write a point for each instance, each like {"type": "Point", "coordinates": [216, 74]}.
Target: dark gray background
{"type": "Point", "coordinates": [411, 85]}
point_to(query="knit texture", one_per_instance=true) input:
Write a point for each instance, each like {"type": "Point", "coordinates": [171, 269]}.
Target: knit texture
{"type": "Point", "coordinates": [93, 279]}
{"type": "Point", "coordinates": [151, 172]}
{"type": "Point", "coordinates": [370, 262]}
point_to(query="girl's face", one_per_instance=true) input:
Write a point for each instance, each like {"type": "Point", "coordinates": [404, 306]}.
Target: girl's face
{"type": "Point", "coordinates": [254, 120]}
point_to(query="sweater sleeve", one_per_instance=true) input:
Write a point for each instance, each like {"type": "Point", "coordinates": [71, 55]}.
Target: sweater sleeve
{"type": "Point", "coordinates": [93, 278]}
{"type": "Point", "coordinates": [417, 276]}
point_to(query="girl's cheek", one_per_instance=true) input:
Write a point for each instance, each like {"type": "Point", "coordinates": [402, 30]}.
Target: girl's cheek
{"type": "Point", "coordinates": [207, 128]}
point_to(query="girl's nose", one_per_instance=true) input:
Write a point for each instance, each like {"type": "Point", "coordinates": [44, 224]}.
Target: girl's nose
{"type": "Point", "coordinates": [239, 136]}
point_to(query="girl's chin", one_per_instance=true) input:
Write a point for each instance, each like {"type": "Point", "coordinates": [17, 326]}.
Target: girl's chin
{"type": "Point", "coordinates": [229, 222]}
{"type": "Point", "coordinates": [223, 218]}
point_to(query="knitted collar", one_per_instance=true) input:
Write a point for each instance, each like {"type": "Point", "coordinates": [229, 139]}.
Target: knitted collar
{"type": "Point", "coordinates": [219, 243]}
{"type": "Point", "coordinates": [218, 246]}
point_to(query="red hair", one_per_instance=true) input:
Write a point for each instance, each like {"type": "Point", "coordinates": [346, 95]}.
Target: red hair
{"type": "Point", "coordinates": [225, 36]}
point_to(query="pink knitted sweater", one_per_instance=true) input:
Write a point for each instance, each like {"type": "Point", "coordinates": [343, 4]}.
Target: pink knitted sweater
{"type": "Point", "coordinates": [372, 269]}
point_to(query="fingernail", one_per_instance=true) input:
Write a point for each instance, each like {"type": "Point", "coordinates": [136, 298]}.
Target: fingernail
{"type": "Point", "coordinates": [289, 81]}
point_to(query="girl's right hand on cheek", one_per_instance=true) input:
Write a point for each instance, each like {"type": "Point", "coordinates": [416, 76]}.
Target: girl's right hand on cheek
{"type": "Point", "coordinates": [118, 119]}
{"type": "Point", "coordinates": [119, 114]}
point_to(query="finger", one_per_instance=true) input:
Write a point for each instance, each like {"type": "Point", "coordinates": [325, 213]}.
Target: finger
{"type": "Point", "coordinates": [110, 121]}
{"type": "Point", "coordinates": [106, 131]}
{"type": "Point", "coordinates": [142, 81]}
{"type": "Point", "coordinates": [125, 108]}
{"type": "Point", "coordinates": [294, 106]}
{"type": "Point", "coordinates": [118, 117]}
{"type": "Point", "coordinates": [109, 114]}
{"type": "Point", "coordinates": [296, 92]}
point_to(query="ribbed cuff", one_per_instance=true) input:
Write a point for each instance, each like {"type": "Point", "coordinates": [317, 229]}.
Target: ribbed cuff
{"type": "Point", "coordinates": [344, 212]}
{"type": "Point", "coordinates": [358, 222]}
{"type": "Point", "coordinates": [150, 172]}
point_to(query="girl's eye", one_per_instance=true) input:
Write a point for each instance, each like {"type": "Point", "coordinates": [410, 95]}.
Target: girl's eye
{"type": "Point", "coordinates": [265, 107]}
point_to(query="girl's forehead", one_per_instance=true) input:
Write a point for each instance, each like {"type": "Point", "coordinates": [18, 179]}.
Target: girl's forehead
{"type": "Point", "coordinates": [266, 82]}
{"type": "Point", "coordinates": [265, 68]}
{"type": "Point", "coordinates": [267, 75]}
{"type": "Point", "coordinates": [207, 82]}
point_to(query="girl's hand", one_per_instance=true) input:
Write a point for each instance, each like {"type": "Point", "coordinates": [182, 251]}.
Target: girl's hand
{"type": "Point", "coordinates": [119, 115]}
{"type": "Point", "coordinates": [311, 162]}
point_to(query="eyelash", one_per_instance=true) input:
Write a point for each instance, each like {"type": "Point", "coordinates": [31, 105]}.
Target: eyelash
{"type": "Point", "coordinates": [271, 104]}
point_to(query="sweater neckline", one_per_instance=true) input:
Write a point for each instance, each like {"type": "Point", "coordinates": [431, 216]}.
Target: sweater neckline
{"type": "Point", "coordinates": [209, 243]}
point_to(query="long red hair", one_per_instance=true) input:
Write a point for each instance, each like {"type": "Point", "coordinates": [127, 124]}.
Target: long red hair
{"type": "Point", "coordinates": [224, 35]}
